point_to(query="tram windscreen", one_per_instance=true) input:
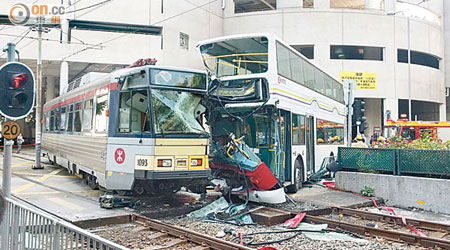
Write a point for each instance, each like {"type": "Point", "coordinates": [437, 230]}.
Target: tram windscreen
{"type": "Point", "coordinates": [240, 56]}
{"type": "Point", "coordinates": [175, 112]}
{"type": "Point", "coordinates": [178, 79]}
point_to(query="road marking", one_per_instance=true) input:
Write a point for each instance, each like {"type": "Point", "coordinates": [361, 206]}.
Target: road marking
{"type": "Point", "coordinates": [66, 204]}
{"type": "Point", "coordinates": [93, 192]}
{"type": "Point", "coordinates": [22, 163]}
{"type": "Point", "coordinates": [56, 176]}
{"type": "Point", "coordinates": [31, 184]}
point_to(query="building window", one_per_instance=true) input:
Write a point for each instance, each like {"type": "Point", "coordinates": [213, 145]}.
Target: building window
{"type": "Point", "coordinates": [349, 52]}
{"type": "Point", "coordinates": [184, 40]}
{"type": "Point", "coordinates": [306, 50]}
{"type": "Point", "coordinates": [308, 3]}
{"type": "Point", "coordinates": [347, 4]}
{"type": "Point", "coordinates": [418, 58]}
{"type": "Point", "coordinates": [242, 6]}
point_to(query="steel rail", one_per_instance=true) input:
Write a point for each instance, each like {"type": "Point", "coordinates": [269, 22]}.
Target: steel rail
{"type": "Point", "coordinates": [433, 226]}
{"type": "Point", "coordinates": [192, 236]}
{"type": "Point", "coordinates": [376, 232]}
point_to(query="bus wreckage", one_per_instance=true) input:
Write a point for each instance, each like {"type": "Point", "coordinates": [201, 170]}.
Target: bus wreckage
{"type": "Point", "coordinates": [265, 107]}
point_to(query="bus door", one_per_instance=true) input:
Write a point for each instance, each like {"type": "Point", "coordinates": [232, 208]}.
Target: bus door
{"type": "Point", "coordinates": [309, 125]}
{"type": "Point", "coordinates": [285, 127]}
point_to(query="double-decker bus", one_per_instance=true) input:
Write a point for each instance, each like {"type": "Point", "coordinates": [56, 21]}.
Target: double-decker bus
{"type": "Point", "coordinates": [135, 129]}
{"type": "Point", "coordinates": [413, 130]}
{"type": "Point", "coordinates": [288, 111]}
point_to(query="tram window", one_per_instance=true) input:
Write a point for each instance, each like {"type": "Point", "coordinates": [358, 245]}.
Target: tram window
{"type": "Point", "coordinates": [63, 120]}
{"type": "Point", "coordinates": [52, 121]}
{"type": "Point", "coordinates": [101, 118]}
{"type": "Point", "coordinates": [140, 117]}
{"type": "Point", "coordinates": [329, 132]}
{"type": "Point", "coordinates": [47, 121]}
{"type": "Point", "coordinates": [87, 115]}
{"type": "Point", "coordinates": [70, 121]}
{"type": "Point", "coordinates": [124, 112]}
{"type": "Point", "coordinates": [409, 133]}
{"type": "Point", "coordinates": [57, 119]}
{"type": "Point", "coordinates": [298, 129]}
{"type": "Point", "coordinates": [77, 118]}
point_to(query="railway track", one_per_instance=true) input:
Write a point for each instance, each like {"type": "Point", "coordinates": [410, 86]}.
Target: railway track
{"type": "Point", "coordinates": [391, 227]}
{"type": "Point", "coordinates": [138, 232]}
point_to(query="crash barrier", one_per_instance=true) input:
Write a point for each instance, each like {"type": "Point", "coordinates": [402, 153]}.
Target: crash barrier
{"type": "Point", "coordinates": [26, 228]}
{"type": "Point", "coordinates": [395, 161]}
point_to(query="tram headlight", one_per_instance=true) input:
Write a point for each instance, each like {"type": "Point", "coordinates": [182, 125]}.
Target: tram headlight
{"type": "Point", "coordinates": [196, 162]}
{"type": "Point", "coordinates": [165, 163]}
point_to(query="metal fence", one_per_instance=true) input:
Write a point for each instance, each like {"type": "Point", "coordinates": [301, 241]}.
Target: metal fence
{"type": "Point", "coordinates": [370, 159]}
{"type": "Point", "coordinates": [432, 162]}
{"type": "Point", "coordinates": [396, 161]}
{"type": "Point", "coordinates": [26, 228]}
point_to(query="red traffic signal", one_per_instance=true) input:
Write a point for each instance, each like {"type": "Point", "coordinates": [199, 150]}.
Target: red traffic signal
{"type": "Point", "coordinates": [16, 90]}
{"type": "Point", "coordinates": [18, 80]}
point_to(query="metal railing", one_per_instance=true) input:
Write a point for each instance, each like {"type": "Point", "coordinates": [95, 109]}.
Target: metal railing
{"type": "Point", "coordinates": [24, 227]}
{"type": "Point", "coordinates": [432, 163]}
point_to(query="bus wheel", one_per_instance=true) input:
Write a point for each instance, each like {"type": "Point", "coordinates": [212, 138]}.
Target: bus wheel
{"type": "Point", "coordinates": [92, 182]}
{"type": "Point", "coordinates": [298, 181]}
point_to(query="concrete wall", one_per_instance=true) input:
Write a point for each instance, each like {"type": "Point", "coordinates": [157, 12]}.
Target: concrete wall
{"type": "Point", "coordinates": [402, 191]}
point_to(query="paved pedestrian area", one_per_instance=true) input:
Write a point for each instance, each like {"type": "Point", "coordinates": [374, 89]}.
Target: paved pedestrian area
{"type": "Point", "coordinates": [55, 190]}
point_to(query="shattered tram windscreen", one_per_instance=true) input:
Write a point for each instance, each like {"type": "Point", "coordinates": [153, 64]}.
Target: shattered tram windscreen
{"type": "Point", "coordinates": [174, 111]}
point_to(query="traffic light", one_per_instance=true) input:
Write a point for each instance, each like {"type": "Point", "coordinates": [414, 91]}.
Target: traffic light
{"type": "Point", "coordinates": [16, 90]}
{"type": "Point", "coordinates": [358, 118]}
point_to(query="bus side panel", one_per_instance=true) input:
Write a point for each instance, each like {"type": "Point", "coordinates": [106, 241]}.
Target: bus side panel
{"type": "Point", "coordinates": [323, 151]}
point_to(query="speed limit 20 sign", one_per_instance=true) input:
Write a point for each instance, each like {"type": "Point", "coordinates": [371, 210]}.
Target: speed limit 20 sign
{"type": "Point", "coordinates": [10, 130]}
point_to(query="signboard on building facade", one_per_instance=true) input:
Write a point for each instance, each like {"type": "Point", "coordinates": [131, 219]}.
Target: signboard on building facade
{"type": "Point", "coordinates": [364, 80]}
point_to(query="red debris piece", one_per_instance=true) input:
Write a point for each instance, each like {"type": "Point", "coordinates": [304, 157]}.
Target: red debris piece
{"type": "Point", "coordinates": [294, 222]}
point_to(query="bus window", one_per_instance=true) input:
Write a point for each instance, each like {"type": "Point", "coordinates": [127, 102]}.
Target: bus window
{"type": "Point", "coordinates": [298, 129]}
{"type": "Point", "coordinates": [101, 118]}
{"type": "Point", "coordinates": [70, 121]}
{"type": "Point", "coordinates": [77, 118]}
{"type": "Point", "coordinates": [329, 132]}
{"type": "Point", "coordinates": [63, 120]}
{"type": "Point", "coordinates": [87, 115]}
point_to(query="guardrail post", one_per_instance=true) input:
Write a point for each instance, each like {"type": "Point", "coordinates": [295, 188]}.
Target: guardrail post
{"type": "Point", "coordinates": [397, 163]}
{"type": "Point", "coordinates": [56, 242]}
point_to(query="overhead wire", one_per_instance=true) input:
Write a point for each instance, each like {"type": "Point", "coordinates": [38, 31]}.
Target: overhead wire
{"type": "Point", "coordinates": [158, 22]}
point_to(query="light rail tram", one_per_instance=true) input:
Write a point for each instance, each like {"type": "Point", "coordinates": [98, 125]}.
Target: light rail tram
{"type": "Point", "coordinates": [136, 129]}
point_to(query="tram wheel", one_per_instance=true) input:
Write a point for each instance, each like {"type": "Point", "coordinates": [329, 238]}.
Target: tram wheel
{"type": "Point", "coordinates": [122, 192]}
{"type": "Point", "coordinates": [92, 182]}
{"type": "Point", "coordinates": [139, 190]}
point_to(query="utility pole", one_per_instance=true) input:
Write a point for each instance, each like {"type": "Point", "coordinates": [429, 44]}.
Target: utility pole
{"type": "Point", "coordinates": [37, 164]}
{"type": "Point", "coordinates": [8, 144]}
{"type": "Point", "coordinates": [349, 86]}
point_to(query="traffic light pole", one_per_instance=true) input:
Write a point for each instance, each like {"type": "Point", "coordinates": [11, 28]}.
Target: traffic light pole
{"type": "Point", "coordinates": [37, 164]}
{"type": "Point", "coordinates": [8, 144]}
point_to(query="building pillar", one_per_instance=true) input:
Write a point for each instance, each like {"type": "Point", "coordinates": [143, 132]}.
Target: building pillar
{"type": "Point", "coordinates": [50, 92]}
{"type": "Point", "coordinates": [442, 112]}
{"type": "Point", "coordinates": [390, 107]}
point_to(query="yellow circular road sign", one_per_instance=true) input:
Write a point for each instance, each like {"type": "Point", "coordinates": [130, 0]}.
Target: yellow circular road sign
{"type": "Point", "coordinates": [10, 130]}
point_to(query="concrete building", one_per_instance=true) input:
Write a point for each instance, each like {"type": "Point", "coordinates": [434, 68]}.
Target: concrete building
{"type": "Point", "coordinates": [360, 36]}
